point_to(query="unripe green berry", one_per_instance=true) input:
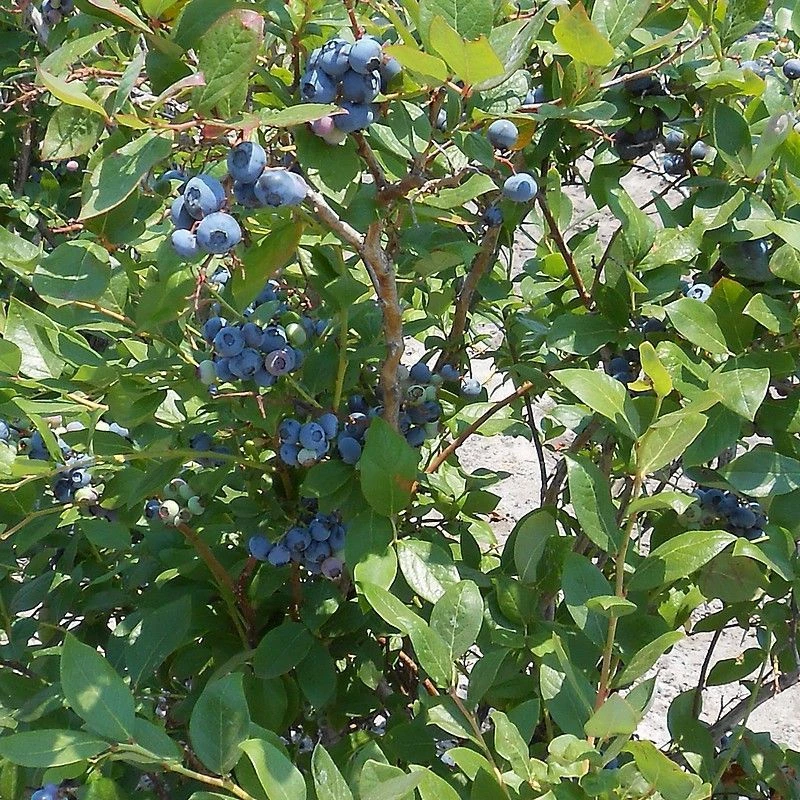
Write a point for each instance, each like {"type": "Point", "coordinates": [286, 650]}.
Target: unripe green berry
{"type": "Point", "coordinates": [415, 393]}
{"type": "Point", "coordinates": [430, 393]}
{"type": "Point", "coordinates": [436, 379]}
{"type": "Point", "coordinates": [86, 494]}
{"type": "Point", "coordinates": [195, 505]}
{"type": "Point", "coordinates": [206, 372]}
{"type": "Point", "coordinates": [431, 430]}
{"type": "Point", "coordinates": [185, 491]}
{"type": "Point", "coordinates": [184, 515]}
{"type": "Point", "coordinates": [168, 510]}
{"type": "Point", "coordinates": [307, 458]}
{"type": "Point", "coordinates": [296, 334]}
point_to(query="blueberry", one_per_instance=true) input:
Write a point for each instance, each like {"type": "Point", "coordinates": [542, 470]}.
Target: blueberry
{"type": "Point", "coordinates": [203, 195]}
{"type": "Point", "coordinates": [63, 490]}
{"type": "Point", "coordinates": [712, 498]}
{"type": "Point", "coordinates": [307, 457]}
{"type": "Point", "coordinates": [212, 327]}
{"type": "Point", "coordinates": [246, 162]}
{"type": "Point", "coordinates": [313, 59]}
{"type": "Point", "coordinates": [311, 435]}
{"type": "Point", "coordinates": [674, 164]}
{"type": "Point", "coordinates": [356, 425]}
{"type": "Point", "coordinates": [179, 214]}
{"type": "Point", "coordinates": [246, 364]}
{"type": "Point", "coordinates": [279, 187]}
{"type": "Point", "coordinates": [297, 538]}
{"type": "Point", "coordinates": [791, 69]}
{"type": "Point", "coordinates": [755, 249]}
{"type": "Point", "coordinates": [359, 88]}
{"type": "Point", "coordinates": [336, 539]}
{"type": "Point", "coordinates": [184, 243]}
{"type": "Point", "coordinates": [330, 424]}
{"type": "Point", "coordinates": [151, 508]}
{"type": "Point", "coordinates": [79, 478]}
{"type": "Point", "coordinates": [334, 59]}
{"type": "Point", "coordinates": [699, 291]}
{"type": "Point", "coordinates": [520, 188]}
{"type": "Point", "coordinates": [753, 533]}
{"type": "Point", "coordinates": [273, 339]}
{"type": "Point", "coordinates": [229, 341]}
{"type": "Point", "coordinates": [259, 547]}
{"type": "Point", "coordinates": [245, 194]}
{"type": "Point", "coordinates": [289, 431]}
{"type": "Point", "coordinates": [201, 441]}
{"type": "Point", "coordinates": [317, 86]}
{"type": "Point", "coordinates": [742, 518]}
{"type": "Point", "coordinates": [450, 373]}
{"type": "Point", "coordinates": [355, 117]}
{"type": "Point", "coordinates": [349, 449]}
{"type": "Point", "coordinates": [432, 409]}
{"type": "Point", "coordinates": [223, 370]}
{"type": "Point", "coordinates": [317, 552]}
{"type": "Point", "coordinates": [502, 134]}
{"type": "Point", "coordinates": [267, 294]}
{"type": "Point", "coordinates": [319, 530]}
{"type": "Point", "coordinates": [357, 404]}
{"type": "Point", "coordinates": [331, 567]}
{"type": "Point", "coordinates": [653, 325]}
{"type": "Point", "coordinates": [535, 96]}
{"type": "Point", "coordinates": [618, 364]}
{"type": "Point", "coordinates": [420, 372]}
{"type": "Point", "coordinates": [252, 334]}
{"type": "Point", "coordinates": [493, 216]}
{"type": "Point", "coordinates": [299, 358]}
{"type": "Point", "coordinates": [288, 453]}
{"type": "Point", "coordinates": [5, 431]}
{"type": "Point", "coordinates": [389, 69]}
{"type": "Point", "coordinates": [279, 555]}
{"type": "Point", "coordinates": [471, 387]}
{"type": "Point", "coordinates": [415, 436]}
{"type": "Point", "coordinates": [754, 67]}
{"type": "Point", "coordinates": [365, 55]}
{"type": "Point", "coordinates": [673, 141]}
{"type": "Point", "coordinates": [37, 449]}
{"type": "Point", "coordinates": [699, 151]}
{"type": "Point", "coordinates": [279, 362]}
{"type": "Point", "coordinates": [218, 233]}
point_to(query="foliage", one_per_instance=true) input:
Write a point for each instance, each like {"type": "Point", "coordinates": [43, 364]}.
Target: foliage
{"type": "Point", "coordinates": [145, 648]}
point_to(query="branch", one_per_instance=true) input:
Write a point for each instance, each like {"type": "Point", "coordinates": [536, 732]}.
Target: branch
{"type": "Point", "coordinates": [467, 432]}
{"type": "Point", "coordinates": [555, 233]}
{"type": "Point", "coordinates": [374, 167]}
{"type": "Point", "coordinates": [483, 260]}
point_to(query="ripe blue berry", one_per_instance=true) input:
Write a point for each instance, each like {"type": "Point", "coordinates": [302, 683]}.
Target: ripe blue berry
{"type": "Point", "coordinates": [317, 86]}
{"type": "Point", "coordinates": [449, 373]}
{"type": "Point", "coordinates": [536, 96]}
{"type": "Point", "coordinates": [79, 478]}
{"type": "Point", "coordinates": [297, 538]}
{"type": "Point", "coordinates": [212, 327]}
{"type": "Point", "coordinates": [502, 134]}
{"type": "Point", "coordinates": [699, 151]}
{"type": "Point", "coordinates": [415, 436]}
{"type": "Point", "coordinates": [203, 195]}
{"type": "Point", "coordinates": [674, 164]}
{"type": "Point", "coordinates": [151, 508]}
{"type": "Point", "coordinates": [289, 431]}
{"type": "Point", "coordinates": [493, 216]}
{"type": "Point", "coordinates": [311, 435]}
{"type": "Point", "coordinates": [389, 69]}
{"type": "Point", "coordinates": [288, 453]}
{"type": "Point", "coordinates": [279, 362]}
{"type": "Point", "coordinates": [5, 431]}
{"type": "Point", "coordinates": [184, 243]}
{"type": "Point", "coordinates": [246, 162]}
{"type": "Point", "coordinates": [432, 409]}
{"type": "Point", "coordinates": [349, 449]}
{"type": "Point", "coordinates": [259, 547]}
{"type": "Point", "coordinates": [273, 339]}
{"type": "Point", "coordinates": [223, 370]}
{"type": "Point", "coordinates": [317, 552]}
{"type": "Point", "coordinates": [673, 141]}
{"type": "Point", "coordinates": [246, 364]}
{"type": "Point", "coordinates": [471, 387]}
{"type": "Point", "coordinates": [520, 188]}
{"type": "Point", "coordinates": [279, 187]}
{"type": "Point", "coordinates": [365, 55]}
{"type": "Point", "coordinates": [336, 539]}
{"type": "Point", "coordinates": [420, 372]}
{"type": "Point", "coordinates": [229, 341]}
{"type": "Point", "coordinates": [358, 88]}
{"type": "Point", "coordinates": [791, 69]}
{"type": "Point", "coordinates": [218, 233]}
{"type": "Point", "coordinates": [355, 117]}
{"type": "Point", "coordinates": [201, 441]}
{"type": "Point", "coordinates": [334, 59]}
{"type": "Point", "coordinates": [245, 194]}
{"type": "Point", "coordinates": [179, 214]}
{"type": "Point", "coordinates": [279, 555]}
{"type": "Point", "coordinates": [330, 424]}
{"type": "Point", "coordinates": [331, 567]}
{"type": "Point", "coordinates": [319, 530]}
{"type": "Point", "coordinates": [699, 291]}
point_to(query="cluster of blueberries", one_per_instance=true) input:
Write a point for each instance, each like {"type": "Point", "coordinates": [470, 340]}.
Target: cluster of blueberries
{"type": "Point", "coordinates": [352, 75]}
{"type": "Point", "coordinates": [676, 159]}
{"type": "Point", "coordinates": [179, 505]}
{"type": "Point", "coordinates": [249, 352]}
{"type": "Point", "coordinates": [201, 226]}
{"type": "Point", "coordinates": [624, 367]}
{"type": "Point", "coordinates": [714, 507]}
{"type": "Point", "coordinates": [304, 444]}
{"type": "Point", "coordinates": [53, 11]}
{"type": "Point", "coordinates": [521, 187]}
{"type": "Point", "coordinates": [316, 545]}
{"type": "Point", "coordinates": [639, 136]}
{"type": "Point", "coordinates": [255, 185]}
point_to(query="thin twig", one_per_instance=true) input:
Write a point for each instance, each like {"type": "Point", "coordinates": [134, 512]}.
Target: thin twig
{"type": "Point", "coordinates": [697, 703]}
{"type": "Point", "coordinates": [371, 160]}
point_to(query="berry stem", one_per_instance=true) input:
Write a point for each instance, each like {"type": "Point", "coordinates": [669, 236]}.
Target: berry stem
{"type": "Point", "coordinates": [342, 367]}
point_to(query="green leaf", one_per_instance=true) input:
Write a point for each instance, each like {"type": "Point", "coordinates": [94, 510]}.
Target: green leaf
{"type": "Point", "coordinates": [328, 781]}
{"type": "Point", "coordinates": [50, 748]}
{"type": "Point", "coordinates": [60, 60]}
{"type": "Point", "coordinates": [727, 301]}
{"type": "Point", "coordinates": [580, 581]}
{"type": "Point", "coordinates": [741, 390]}
{"type": "Point", "coordinates": [472, 61]}
{"type": "Point", "coordinates": [102, 788]}
{"type": "Point", "coordinates": [664, 776]}
{"type": "Point", "coordinates": [645, 657]}
{"type": "Point", "coordinates": [427, 568]}
{"type": "Point", "coordinates": [400, 787]}
{"type": "Point", "coordinates": [16, 253]}
{"type": "Point", "coordinates": [118, 13]}
{"type": "Point", "coordinates": [697, 322]}
{"type": "Point", "coordinates": [281, 649]}
{"type": "Point", "coordinates": [674, 246]}
{"type": "Point", "coordinates": [567, 693]}
{"type": "Point", "coordinates": [579, 37]}
{"type": "Point", "coordinates": [72, 93]}
{"type": "Point", "coordinates": [71, 132]}
{"type": "Point", "coordinates": [655, 370]}
{"type": "Point", "coordinates": [36, 337]}
{"type": "Point", "coordinates": [531, 535]}
{"type": "Point", "coordinates": [432, 652]}
{"type": "Point", "coordinates": [388, 468]}
{"type": "Point", "coordinates": [731, 578]}
{"type": "Point", "coordinates": [591, 500]}
{"type": "Point", "coordinates": [602, 394]}
{"type": "Point", "coordinates": [616, 19]}
{"type": "Point", "coordinates": [616, 717]}
{"type": "Point", "coordinates": [279, 778]}
{"type": "Point", "coordinates": [295, 115]}
{"type": "Point", "coordinates": [432, 786]}
{"type": "Point", "coordinates": [776, 129]}
{"type": "Point", "coordinates": [415, 60]}
{"type": "Point", "coordinates": [731, 137]}
{"type": "Point", "coordinates": [510, 745]}
{"type": "Point", "coordinates": [581, 334]}
{"type": "Point", "coordinates": [457, 617]}
{"type": "Point", "coordinates": [679, 557]}
{"type": "Point", "coordinates": [220, 722]}
{"type": "Point", "coordinates": [368, 549]}
{"type": "Point", "coordinates": [162, 631]}
{"type": "Point", "coordinates": [637, 230]}
{"type": "Point", "coordinates": [770, 312]}
{"type": "Point", "coordinates": [469, 18]}
{"type": "Point", "coordinates": [76, 270]}
{"type": "Point", "coordinates": [116, 176]}
{"type": "Point", "coordinates": [667, 438]}
{"type": "Point", "coordinates": [226, 56]}
{"type": "Point", "coordinates": [609, 605]}
{"type": "Point", "coordinates": [762, 472]}
{"type": "Point", "coordinates": [95, 692]}
{"type": "Point", "coordinates": [10, 358]}
{"type": "Point", "coordinates": [457, 197]}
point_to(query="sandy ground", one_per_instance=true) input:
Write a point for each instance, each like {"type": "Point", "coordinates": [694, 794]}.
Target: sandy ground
{"type": "Point", "coordinates": [677, 671]}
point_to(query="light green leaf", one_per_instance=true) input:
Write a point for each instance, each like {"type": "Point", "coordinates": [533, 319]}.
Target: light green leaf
{"type": "Point", "coordinates": [472, 61]}
{"type": "Point", "coordinates": [741, 390]}
{"type": "Point", "coordinates": [388, 468]}
{"type": "Point", "coordinates": [469, 18]}
{"type": "Point", "coordinates": [510, 745]}
{"type": "Point", "coordinates": [50, 748]}
{"type": "Point", "coordinates": [279, 778]}
{"type": "Point", "coordinates": [655, 370]}
{"type": "Point", "coordinates": [457, 617]}
{"type": "Point", "coordinates": [763, 472]}
{"type": "Point", "coordinates": [76, 270]}
{"type": "Point", "coordinates": [616, 717]}
{"type": "Point", "coordinates": [578, 36]}
{"type": "Point", "coordinates": [616, 19]}
{"type": "Point", "coordinates": [72, 93]}
{"type": "Point", "coordinates": [531, 535]}
{"type": "Point", "coordinates": [281, 649]}
{"type": "Point", "coordinates": [697, 322]}
{"type": "Point", "coordinates": [591, 499]}
{"type": "Point", "coordinates": [770, 312]}
{"type": "Point", "coordinates": [295, 115]}
{"type": "Point", "coordinates": [646, 656]}
{"type": "Point", "coordinates": [328, 781]}
{"type": "Point", "coordinates": [415, 60]}
{"type": "Point", "coordinates": [666, 439]}
{"type": "Point", "coordinates": [72, 131]}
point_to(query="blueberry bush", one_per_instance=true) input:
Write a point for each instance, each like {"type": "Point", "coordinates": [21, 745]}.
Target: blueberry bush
{"type": "Point", "coordinates": [239, 555]}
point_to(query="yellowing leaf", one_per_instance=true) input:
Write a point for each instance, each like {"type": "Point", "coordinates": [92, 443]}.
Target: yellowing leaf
{"type": "Point", "coordinates": [417, 61]}
{"type": "Point", "coordinates": [580, 38]}
{"type": "Point", "coordinates": [473, 62]}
